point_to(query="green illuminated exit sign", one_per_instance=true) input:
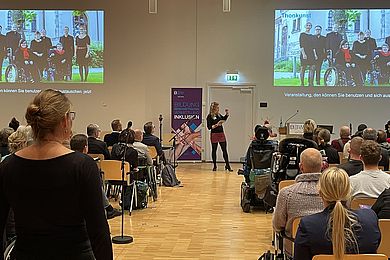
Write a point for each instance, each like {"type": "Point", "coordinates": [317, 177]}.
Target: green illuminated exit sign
{"type": "Point", "coordinates": [232, 77]}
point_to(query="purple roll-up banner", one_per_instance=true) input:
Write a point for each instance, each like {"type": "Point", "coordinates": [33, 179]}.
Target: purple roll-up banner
{"type": "Point", "coordinates": [186, 123]}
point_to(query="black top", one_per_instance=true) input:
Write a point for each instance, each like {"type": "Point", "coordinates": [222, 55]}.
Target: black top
{"type": "Point", "coordinates": [360, 47]}
{"type": "Point", "coordinates": [13, 39]}
{"type": "Point", "coordinates": [213, 120]}
{"type": "Point", "coordinates": [383, 60]}
{"type": "Point", "coordinates": [382, 205]}
{"type": "Point", "coordinates": [68, 45]}
{"type": "Point", "coordinates": [306, 42]}
{"type": "Point", "coordinates": [352, 167]}
{"type": "Point", "coordinates": [37, 46]}
{"type": "Point", "coordinates": [83, 42]}
{"type": "Point", "coordinates": [3, 45]}
{"type": "Point", "coordinates": [313, 239]}
{"type": "Point", "coordinates": [131, 154]}
{"type": "Point", "coordinates": [152, 140]}
{"type": "Point", "coordinates": [47, 45]}
{"type": "Point", "coordinates": [319, 44]}
{"type": "Point", "coordinates": [112, 138]}
{"type": "Point", "coordinates": [72, 214]}
{"type": "Point", "coordinates": [331, 153]}
{"type": "Point", "coordinates": [371, 43]}
{"type": "Point", "coordinates": [96, 146]}
{"type": "Point", "coordinates": [333, 40]}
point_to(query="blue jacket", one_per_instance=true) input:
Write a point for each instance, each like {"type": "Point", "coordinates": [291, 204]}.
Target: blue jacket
{"type": "Point", "coordinates": [312, 237]}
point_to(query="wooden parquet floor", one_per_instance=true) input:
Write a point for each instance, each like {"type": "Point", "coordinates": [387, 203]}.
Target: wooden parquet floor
{"type": "Point", "coordinates": [202, 220]}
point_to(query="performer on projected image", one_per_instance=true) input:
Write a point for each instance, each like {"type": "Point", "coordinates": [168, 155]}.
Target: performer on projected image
{"type": "Point", "coordinates": [214, 123]}
{"type": "Point", "coordinates": [83, 43]}
{"type": "Point", "coordinates": [307, 54]}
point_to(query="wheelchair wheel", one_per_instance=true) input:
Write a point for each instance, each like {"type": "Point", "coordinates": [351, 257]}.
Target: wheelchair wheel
{"type": "Point", "coordinates": [8, 255]}
{"type": "Point", "coordinates": [331, 77]}
{"type": "Point", "coordinates": [11, 73]}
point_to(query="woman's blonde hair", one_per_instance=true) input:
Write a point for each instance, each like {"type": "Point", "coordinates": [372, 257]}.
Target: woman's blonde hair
{"type": "Point", "coordinates": [17, 141]}
{"type": "Point", "coordinates": [46, 111]}
{"type": "Point", "coordinates": [213, 108]}
{"type": "Point", "coordinates": [309, 126]}
{"type": "Point", "coordinates": [335, 189]}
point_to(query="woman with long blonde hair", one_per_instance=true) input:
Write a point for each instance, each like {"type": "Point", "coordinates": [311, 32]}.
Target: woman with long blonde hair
{"type": "Point", "coordinates": [336, 230]}
{"type": "Point", "coordinates": [214, 124]}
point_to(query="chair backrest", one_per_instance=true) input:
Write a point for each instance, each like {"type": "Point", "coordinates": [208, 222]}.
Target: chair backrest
{"type": "Point", "coordinates": [357, 202]}
{"type": "Point", "coordinates": [100, 158]}
{"type": "Point", "coordinates": [261, 153]}
{"type": "Point", "coordinates": [342, 158]}
{"type": "Point", "coordinates": [112, 170]}
{"type": "Point", "coordinates": [295, 226]}
{"type": "Point", "coordinates": [353, 257]}
{"type": "Point", "coordinates": [152, 151]}
{"type": "Point", "coordinates": [384, 227]}
{"type": "Point", "coordinates": [285, 183]}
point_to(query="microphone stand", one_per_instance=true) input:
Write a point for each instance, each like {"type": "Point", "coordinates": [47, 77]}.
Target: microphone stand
{"type": "Point", "coordinates": [160, 118]}
{"type": "Point", "coordinates": [123, 239]}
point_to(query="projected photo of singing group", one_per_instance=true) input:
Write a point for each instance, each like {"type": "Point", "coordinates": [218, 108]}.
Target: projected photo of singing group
{"type": "Point", "coordinates": [334, 47]}
{"type": "Point", "coordinates": [50, 46]}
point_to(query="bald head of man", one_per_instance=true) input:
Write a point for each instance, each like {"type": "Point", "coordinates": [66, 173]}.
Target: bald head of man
{"type": "Point", "coordinates": [138, 135]}
{"type": "Point", "coordinates": [344, 132]}
{"type": "Point", "coordinates": [311, 161]}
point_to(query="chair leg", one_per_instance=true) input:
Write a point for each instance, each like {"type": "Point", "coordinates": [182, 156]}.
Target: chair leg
{"type": "Point", "coordinates": [133, 197]}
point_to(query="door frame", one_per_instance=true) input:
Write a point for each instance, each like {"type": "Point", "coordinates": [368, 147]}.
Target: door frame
{"type": "Point", "coordinates": [209, 87]}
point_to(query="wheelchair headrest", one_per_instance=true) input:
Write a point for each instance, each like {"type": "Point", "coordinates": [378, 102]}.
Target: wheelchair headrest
{"type": "Point", "coordinates": [286, 144]}
{"type": "Point", "coordinates": [261, 133]}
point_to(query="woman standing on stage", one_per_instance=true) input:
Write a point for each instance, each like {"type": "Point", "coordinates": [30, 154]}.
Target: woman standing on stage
{"type": "Point", "coordinates": [214, 123]}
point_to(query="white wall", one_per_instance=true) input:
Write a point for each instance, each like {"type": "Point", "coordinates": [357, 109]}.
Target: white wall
{"type": "Point", "coordinates": [188, 43]}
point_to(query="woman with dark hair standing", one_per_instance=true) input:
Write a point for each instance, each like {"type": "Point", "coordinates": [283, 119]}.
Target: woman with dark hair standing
{"type": "Point", "coordinates": [337, 230]}
{"type": "Point", "coordinates": [214, 123]}
{"type": "Point", "coordinates": [73, 224]}
{"type": "Point", "coordinates": [83, 43]}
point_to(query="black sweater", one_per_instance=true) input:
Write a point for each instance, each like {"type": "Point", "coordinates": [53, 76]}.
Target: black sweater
{"type": "Point", "coordinates": [213, 120]}
{"type": "Point", "coordinates": [72, 214]}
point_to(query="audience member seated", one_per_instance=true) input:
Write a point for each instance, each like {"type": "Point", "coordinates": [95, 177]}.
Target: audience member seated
{"type": "Point", "coordinates": [359, 133]}
{"type": "Point", "coordinates": [323, 139]}
{"type": "Point", "coordinates": [4, 134]}
{"type": "Point", "coordinates": [260, 143]}
{"type": "Point", "coordinates": [141, 148]}
{"type": "Point", "coordinates": [338, 144]}
{"type": "Point", "coordinates": [382, 140]}
{"type": "Point", "coordinates": [371, 182]}
{"type": "Point", "coordinates": [95, 145]}
{"type": "Point", "coordinates": [126, 138]}
{"type": "Point", "coordinates": [73, 224]}
{"type": "Point", "coordinates": [308, 129]}
{"type": "Point", "coordinates": [354, 164]}
{"type": "Point", "coordinates": [112, 138]}
{"type": "Point", "coordinates": [336, 230]}
{"type": "Point", "coordinates": [371, 134]}
{"type": "Point", "coordinates": [300, 199]}
{"type": "Point", "coordinates": [152, 140]}
{"type": "Point", "coordinates": [79, 143]}
{"type": "Point", "coordinates": [14, 124]}
{"type": "Point", "coordinates": [382, 205]}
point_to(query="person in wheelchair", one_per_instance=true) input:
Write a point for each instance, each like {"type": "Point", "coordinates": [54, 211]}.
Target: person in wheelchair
{"type": "Point", "coordinates": [382, 58]}
{"type": "Point", "coordinates": [59, 62]}
{"type": "Point", "coordinates": [24, 59]}
{"type": "Point", "coordinates": [346, 62]}
{"type": "Point", "coordinates": [259, 153]}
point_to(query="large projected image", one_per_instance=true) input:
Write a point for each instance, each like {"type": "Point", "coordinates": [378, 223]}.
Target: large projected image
{"type": "Point", "coordinates": [334, 47]}
{"type": "Point", "coordinates": [51, 46]}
